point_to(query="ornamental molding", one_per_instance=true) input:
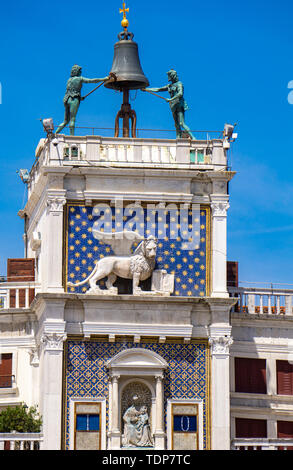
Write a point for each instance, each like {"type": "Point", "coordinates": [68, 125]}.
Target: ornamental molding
{"type": "Point", "coordinates": [53, 341]}
{"type": "Point", "coordinates": [55, 203]}
{"type": "Point", "coordinates": [220, 208]}
{"type": "Point", "coordinates": [34, 356]}
{"type": "Point", "coordinates": [220, 344]}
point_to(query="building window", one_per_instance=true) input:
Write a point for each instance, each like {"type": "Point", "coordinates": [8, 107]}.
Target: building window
{"type": "Point", "coordinates": [285, 430]}
{"type": "Point", "coordinates": [87, 426]}
{"type": "Point", "coordinates": [284, 378]}
{"type": "Point", "coordinates": [6, 371]}
{"type": "Point", "coordinates": [248, 428]}
{"type": "Point", "coordinates": [87, 422]}
{"type": "Point", "coordinates": [250, 375]}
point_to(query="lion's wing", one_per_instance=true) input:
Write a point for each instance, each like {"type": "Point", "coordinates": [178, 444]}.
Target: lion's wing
{"type": "Point", "coordinates": [121, 242]}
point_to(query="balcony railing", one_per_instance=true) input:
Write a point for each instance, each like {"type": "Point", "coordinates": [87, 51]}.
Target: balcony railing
{"type": "Point", "coordinates": [262, 301]}
{"type": "Point", "coordinates": [94, 150]}
{"type": "Point", "coordinates": [20, 441]}
{"type": "Point", "coordinates": [262, 444]}
{"type": "Point", "coordinates": [17, 294]}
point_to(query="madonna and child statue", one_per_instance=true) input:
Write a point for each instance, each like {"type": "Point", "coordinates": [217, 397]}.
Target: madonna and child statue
{"type": "Point", "coordinates": [137, 432]}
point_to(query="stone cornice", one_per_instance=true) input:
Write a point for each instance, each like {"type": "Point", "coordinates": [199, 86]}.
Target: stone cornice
{"type": "Point", "coordinates": [258, 320]}
{"type": "Point", "coordinates": [216, 302]}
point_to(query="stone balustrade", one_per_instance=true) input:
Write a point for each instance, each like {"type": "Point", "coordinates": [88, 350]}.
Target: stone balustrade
{"type": "Point", "coordinates": [153, 153]}
{"type": "Point", "coordinates": [21, 441]}
{"type": "Point", "coordinates": [261, 444]}
{"type": "Point", "coordinates": [262, 301]}
{"type": "Point", "coordinates": [17, 294]}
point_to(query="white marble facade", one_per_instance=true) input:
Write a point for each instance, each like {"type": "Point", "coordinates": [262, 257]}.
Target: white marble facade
{"type": "Point", "coordinates": [137, 171]}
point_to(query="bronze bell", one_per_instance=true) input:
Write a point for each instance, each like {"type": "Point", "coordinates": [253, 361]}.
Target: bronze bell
{"type": "Point", "coordinates": [128, 75]}
{"type": "Point", "coordinates": [126, 65]}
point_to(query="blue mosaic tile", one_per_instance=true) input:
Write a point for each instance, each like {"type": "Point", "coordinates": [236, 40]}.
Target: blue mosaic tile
{"type": "Point", "coordinates": [187, 376]}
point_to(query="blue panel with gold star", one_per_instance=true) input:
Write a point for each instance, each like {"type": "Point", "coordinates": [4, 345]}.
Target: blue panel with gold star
{"type": "Point", "coordinates": [186, 378]}
{"type": "Point", "coordinates": [183, 242]}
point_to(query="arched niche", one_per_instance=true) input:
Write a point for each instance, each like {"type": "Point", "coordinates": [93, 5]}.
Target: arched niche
{"type": "Point", "coordinates": [141, 369]}
{"type": "Point", "coordinates": [137, 361]}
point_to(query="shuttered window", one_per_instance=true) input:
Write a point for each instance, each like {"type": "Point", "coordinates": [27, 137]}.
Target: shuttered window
{"type": "Point", "coordinates": [284, 378]}
{"type": "Point", "coordinates": [5, 370]}
{"type": "Point", "coordinates": [250, 427]}
{"type": "Point", "coordinates": [250, 375]}
{"type": "Point", "coordinates": [285, 429]}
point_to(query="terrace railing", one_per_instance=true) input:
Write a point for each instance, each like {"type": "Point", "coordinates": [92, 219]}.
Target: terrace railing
{"type": "Point", "coordinates": [21, 441]}
{"type": "Point", "coordinates": [262, 301]}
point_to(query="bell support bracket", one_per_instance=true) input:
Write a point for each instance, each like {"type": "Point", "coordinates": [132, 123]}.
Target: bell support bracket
{"type": "Point", "coordinates": [126, 113]}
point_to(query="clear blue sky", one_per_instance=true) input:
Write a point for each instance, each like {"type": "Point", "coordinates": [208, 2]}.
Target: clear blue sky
{"type": "Point", "coordinates": [235, 59]}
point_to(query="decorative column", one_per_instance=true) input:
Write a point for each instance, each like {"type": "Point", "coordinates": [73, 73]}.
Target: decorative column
{"type": "Point", "coordinates": [51, 377]}
{"type": "Point", "coordinates": [220, 392]}
{"type": "Point", "coordinates": [115, 434]}
{"type": "Point", "coordinates": [159, 435]}
{"type": "Point", "coordinates": [219, 247]}
{"type": "Point", "coordinates": [54, 242]}
{"type": "Point", "coordinates": [220, 341]}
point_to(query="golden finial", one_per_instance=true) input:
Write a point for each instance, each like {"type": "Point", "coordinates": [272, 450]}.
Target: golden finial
{"type": "Point", "coordinates": [125, 21]}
